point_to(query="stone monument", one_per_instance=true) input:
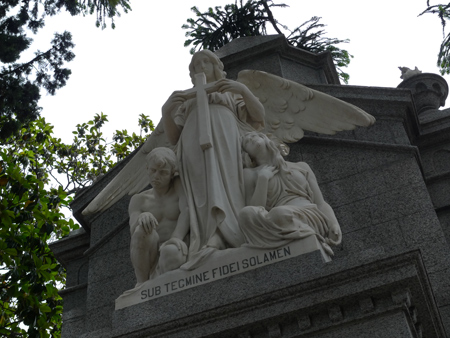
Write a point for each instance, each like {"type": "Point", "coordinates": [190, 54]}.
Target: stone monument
{"type": "Point", "coordinates": [238, 240]}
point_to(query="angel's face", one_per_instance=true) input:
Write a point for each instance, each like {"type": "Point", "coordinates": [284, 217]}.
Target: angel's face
{"type": "Point", "coordinates": [160, 175]}
{"type": "Point", "coordinates": [253, 144]}
{"type": "Point", "coordinates": [203, 64]}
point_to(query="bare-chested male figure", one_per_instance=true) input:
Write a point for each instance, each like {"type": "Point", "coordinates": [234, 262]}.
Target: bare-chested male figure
{"type": "Point", "coordinates": [159, 219]}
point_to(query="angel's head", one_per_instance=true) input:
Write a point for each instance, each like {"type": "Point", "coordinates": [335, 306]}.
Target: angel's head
{"type": "Point", "coordinates": [206, 62]}
{"type": "Point", "coordinates": [161, 166]}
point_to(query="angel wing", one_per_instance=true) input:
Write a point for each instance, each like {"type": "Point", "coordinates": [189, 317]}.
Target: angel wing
{"type": "Point", "coordinates": [292, 108]}
{"type": "Point", "coordinates": [132, 178]}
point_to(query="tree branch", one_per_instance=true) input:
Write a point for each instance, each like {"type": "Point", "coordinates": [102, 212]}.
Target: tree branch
{"type": "Point", "coordinates": [270, 16]}
{"type": "Point", "coordinates": [26, 65]}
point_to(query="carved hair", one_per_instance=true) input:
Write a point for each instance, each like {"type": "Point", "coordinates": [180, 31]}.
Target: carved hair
{"type": "Point", "coordinates": [275, 156]}
{"type": "Point", "coordinates": [215, 60]}
{"type": "Point", "coordinates": [162, 156]}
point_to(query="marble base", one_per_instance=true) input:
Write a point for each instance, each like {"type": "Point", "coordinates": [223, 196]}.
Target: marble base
{"type": "Point", "coordinates": [216, 264]}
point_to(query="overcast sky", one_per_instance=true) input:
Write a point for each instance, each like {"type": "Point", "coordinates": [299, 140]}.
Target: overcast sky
{"type": "Point", "coordinates": [134, 68]}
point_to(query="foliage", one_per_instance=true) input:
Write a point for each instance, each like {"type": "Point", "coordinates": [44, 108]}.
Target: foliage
{"type": "Point", "coordinates": [103, 9]}
{"type": "Point", "coordinates": [19, 95]}
{"type": "Point", "coordinates": [90, 156]}
{"type": "Point", "coordinates": [216, 27]}
{"type": "Point", "coordinates": [20, 82]}
{"type": "Point", "coordinates": [33, 163]}
{"type": "Point", "coordinates": [443, 12]}
{"type": "Point", "coordinates": [30, 213]}
{"type": "Point", "coordinates": [31, 205]}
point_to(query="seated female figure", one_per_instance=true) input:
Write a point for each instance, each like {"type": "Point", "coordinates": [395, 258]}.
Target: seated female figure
{"type": "Point", "coordinates": [283, 199]}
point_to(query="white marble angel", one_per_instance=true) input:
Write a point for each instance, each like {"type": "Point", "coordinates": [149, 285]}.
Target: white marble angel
{"type": "Point", "coordinates": [212, 175]}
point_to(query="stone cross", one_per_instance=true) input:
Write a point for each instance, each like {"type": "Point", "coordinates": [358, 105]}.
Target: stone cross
{"type": "Point", "coordinates": [204, 119]}
{"type": "Point", "coordinates": [200, 91]}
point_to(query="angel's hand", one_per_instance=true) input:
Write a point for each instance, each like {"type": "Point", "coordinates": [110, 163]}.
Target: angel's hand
{"type": "Point", "coordinates": [147, 221]}
{"type": "Point", "coordinates": [267, 172]}
{"type": "Point", "coordinates": [173, 102]}
{"type": "Point", "coordinates": [227, 85]}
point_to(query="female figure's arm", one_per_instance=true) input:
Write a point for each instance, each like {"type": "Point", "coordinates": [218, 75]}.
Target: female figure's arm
{"type": "Point", "coordinates": [263, 175]}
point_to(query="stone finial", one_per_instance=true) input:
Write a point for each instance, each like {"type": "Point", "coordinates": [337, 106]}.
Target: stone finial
{"type": "Point", "coordinates": [429, 91]}
{"type": "Point", "coordinates": [407, 72]}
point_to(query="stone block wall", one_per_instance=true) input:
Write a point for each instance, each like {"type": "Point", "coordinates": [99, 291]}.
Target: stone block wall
{"type": "Point", "coordinates": [388, 186]}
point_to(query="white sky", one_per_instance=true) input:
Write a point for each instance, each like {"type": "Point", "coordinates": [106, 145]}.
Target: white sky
{"type": "Point", "coordinates": [134, 68]}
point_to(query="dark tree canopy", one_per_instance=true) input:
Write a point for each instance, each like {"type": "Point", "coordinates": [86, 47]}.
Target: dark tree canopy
{"type": "Point", "coordinates": [20, 82]}
{"type": "Point", "coordinates": [216, 27]}
{"type": "Point", "coordinates": [443, 12]}
{"type": "Point", "coordinates": [39, 174]}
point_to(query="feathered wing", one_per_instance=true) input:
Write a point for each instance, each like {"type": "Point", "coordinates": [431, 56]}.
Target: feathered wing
{"type": "Point", "coordinates": [133, 178]}
{"type": "Point", "coordinates": [292, 108]}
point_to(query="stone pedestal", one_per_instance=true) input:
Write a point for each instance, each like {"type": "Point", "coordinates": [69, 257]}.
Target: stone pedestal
{"type": "Point", "coordinates": [388, 185]}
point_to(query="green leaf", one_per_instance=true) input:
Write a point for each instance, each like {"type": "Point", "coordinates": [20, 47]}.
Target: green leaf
{"type": "Point", "coordinates": [45, 308]}
{"type": "Point", "coordinates": [30, 215]}
{"type": "Point", "coordinates": [11, 251]}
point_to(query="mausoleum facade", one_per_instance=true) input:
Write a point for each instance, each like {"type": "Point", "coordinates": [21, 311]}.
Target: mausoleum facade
{"type": "Point", "coordinates": [388, 185]}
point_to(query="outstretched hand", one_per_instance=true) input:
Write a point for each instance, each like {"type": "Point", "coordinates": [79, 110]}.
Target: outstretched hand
{"type": "Point", "coordinates": [147, 221]}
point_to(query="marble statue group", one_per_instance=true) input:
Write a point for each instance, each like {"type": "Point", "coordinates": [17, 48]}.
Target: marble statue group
{"type": "Point", "coordinates": [217, 173]}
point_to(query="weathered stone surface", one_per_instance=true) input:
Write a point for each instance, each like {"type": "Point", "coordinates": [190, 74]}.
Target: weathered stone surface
{"type": "Point", "coordinates": [220, 264]}
{"type": "Point", "coordinates": [430, 91]}
{"type": "Point", "coordinates": [273, 55]}
{"type": "Point", "coordinates": [444, 218]}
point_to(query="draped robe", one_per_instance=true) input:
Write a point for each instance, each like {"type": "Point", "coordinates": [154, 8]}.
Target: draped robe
{"type": "Point", "coordinates": [213, 178]}
{"type": "Point", "coordinates": [289, 214]}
